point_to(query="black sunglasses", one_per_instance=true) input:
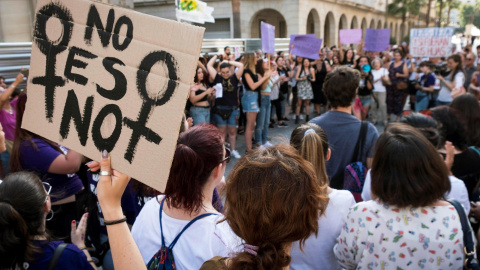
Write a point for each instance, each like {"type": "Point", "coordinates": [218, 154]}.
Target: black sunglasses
{"type": "Point", "coordinates": [227, 156]}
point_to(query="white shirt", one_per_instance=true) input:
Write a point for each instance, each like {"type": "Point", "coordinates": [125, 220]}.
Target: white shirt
{"type": "Point", "coordinates": [318, 251]}
{"type": "Point", "coordinates": [202, 241]}
{"type": "Point", "coordinates": [458, 191]}
{"type": "Point", "coordinates": [445, 94]}
{"type": "Point", "coordinates": [377, 75]}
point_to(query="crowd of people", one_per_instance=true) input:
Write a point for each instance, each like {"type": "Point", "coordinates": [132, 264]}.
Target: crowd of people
{"type": "Point", "coordinates": [338, 195]}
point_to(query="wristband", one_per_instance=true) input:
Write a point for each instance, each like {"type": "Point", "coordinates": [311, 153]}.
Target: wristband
{"type": "Point", "coordinates": [83, 248]}
{"type": "Point", "coordinates": [113, 222]}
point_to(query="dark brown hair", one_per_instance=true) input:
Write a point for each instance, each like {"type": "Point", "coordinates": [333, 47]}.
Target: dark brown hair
{"type": "Point", "coordinates": [340, 86]}
{"type": "Point", "coordinates": [22, 198]}
{"type": "Point", "coordinates": [468, 109]}
{"type": "Point", "coordinates": [451, 127]}
{"type": "Point", "coordinates": [195, 79]}
{"type": "Point", "coordinates": [22, 135]}
{"type": "Point", "coordinates": [313, 147]}
{"type": "Point", "coordinates": [273, 200]}
{"type": "Point", "coordinates": [405, 165]}
{"type": "Point", "coordinates": [259, 67]}
{"type": "Point", "coordinates": [459, 68]}
{"type": "Point", "coordinates": [199, 151]}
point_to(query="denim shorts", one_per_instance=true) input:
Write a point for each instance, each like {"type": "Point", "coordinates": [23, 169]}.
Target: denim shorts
{"type": "Point", "coordinates": [365, 100]}
{"type": "Point", "coordinates": [231, 121]}
{"type": "Point", "coordinates": [200, 115]}
{"type": "Point", "coordinates": [250, 102]}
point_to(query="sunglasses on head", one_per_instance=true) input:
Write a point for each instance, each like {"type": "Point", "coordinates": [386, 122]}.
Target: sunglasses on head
{"type": "Point", "coordinates": [227, 156]}
{"type": "Point", "coordinates": [48, 188]}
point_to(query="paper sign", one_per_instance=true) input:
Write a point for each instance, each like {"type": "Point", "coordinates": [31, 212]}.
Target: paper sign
{"type": "Point", "coordinates": [350, 36]}
{"type": "Point", "coordinates": [306, 46]}
{"type": "Point", "coordinates": [377, 40]}
{"type": "Point", "coordinates": [268, 38]}
{"type": "Point", "coordinates": [431, 42]}
{"type": "Point", "coordinates": [218, 90]}
{"type": "Point", "coordinates": [108, 78]}
{"type": "Point", "coordinates": [194, 11]}
{"type": "Point", "coordinates": [237, 52]}
{"type": "Point", "coordinates": [292, 37]}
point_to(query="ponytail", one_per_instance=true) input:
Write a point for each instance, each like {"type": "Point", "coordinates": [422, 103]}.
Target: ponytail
{"type": "Point", "coordinates": [269, 256]}
{"type": "Point", "coordinates": [312, 150]}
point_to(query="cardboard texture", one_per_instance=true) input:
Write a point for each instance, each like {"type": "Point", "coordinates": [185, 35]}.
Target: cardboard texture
{"type": "Point", "coordinates": [431, 42]}
{"type": "Point", "coordinates": [377, 40]}
{"type": "Point", "coordinates": [350, 36]}
{"type": "Point", "coordinates": [306, 46]}
{"type": "Point", "coordinates": [108, 78]}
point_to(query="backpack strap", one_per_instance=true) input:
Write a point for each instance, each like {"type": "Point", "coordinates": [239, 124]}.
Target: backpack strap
{"type": "Point", "coordinates": [475, 149]}
{"type": "Point", "coordinates": [360, 142]}
{"type": "Point", "coordinates": [469, 245]}
{"type": "Point", "coordinates": [184, 228]}
{"type": "Point", "coordinates": [56, 256]}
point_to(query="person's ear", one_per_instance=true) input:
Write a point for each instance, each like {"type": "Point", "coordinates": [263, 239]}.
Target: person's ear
{"type": "Point", "coordinates": [218, 172]}
{"type": "Point", "coordinates": [329, 155]}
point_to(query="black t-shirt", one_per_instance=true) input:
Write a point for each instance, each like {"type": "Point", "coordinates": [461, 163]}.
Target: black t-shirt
{"type": "Point", "coordinates": [283, 85]}
{"type": "Point", "coordinates": [230, 91]}
{"type": "Point", "coordinates": [465, 167]}
{"type": "Point", "coordinates": [254, 78]}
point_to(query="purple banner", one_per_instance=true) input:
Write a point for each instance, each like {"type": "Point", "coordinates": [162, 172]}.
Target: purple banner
{"type": "Point", "coordinates": [377, 40]}
{"type": "Point", "coordinates": [268, 38]}
{"type": "Point", "coordinates": [350, 36]}
{"type": "Point", "coordinates": [292, 37]}
{"type": "Point", "coordinates": [306, 46]}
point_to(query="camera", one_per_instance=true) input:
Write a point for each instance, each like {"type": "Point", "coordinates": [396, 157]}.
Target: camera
{"type": "Point", "coordinates": [441, 69]}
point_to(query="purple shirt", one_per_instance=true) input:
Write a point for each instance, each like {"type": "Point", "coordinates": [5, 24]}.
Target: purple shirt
{"type": "Point", "coordinates": [38, 161]}
{"type": "Point", "coordinates": [8, 120]}
{"type": "Point", "coordinates": [72, 258]}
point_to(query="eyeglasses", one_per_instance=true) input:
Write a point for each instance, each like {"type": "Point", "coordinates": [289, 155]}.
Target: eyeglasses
{"type": "Point", "coordinates": [469, 59]}
{"type": "Point", "coordinates": [227, 156]}
{"type": "Point", "coordinates": [48, 188]}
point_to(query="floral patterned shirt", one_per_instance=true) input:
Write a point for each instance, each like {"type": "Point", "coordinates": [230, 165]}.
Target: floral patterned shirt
{"type": "Point", "coordinates": [378, 236]}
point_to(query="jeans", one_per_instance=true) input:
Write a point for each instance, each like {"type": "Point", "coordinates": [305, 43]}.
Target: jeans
{"type": "Point", "coordinates": [421, 100]}
{"type": "Point", "coordinates": [263, 120]}
{"type": "Point", "coordinates": [443, 103]}
{"type": "Point", "coordinates": [200, 115]}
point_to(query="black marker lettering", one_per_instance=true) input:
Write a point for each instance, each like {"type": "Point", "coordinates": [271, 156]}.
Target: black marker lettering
{"type": "Point", "coordinates": [72, 62]}
{"type": "Point", "coordinates": [51, 50]}
{"type": "Point", "coordinates": [107, 143]}
{"type": "Point", "coordinates": [116, 43]}
{"type": "Point", "coordinates": [120, 81]}
{"type": "Point", "coordinates": [72, 111]}
{"type": "Point", "coordinates": [93, 20]}
{"type": "Point", "coordinates": [139, 127]}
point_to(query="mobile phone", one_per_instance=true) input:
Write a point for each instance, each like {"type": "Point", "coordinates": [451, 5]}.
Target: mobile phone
{"type": "Point", "coordinates": [25, 72]}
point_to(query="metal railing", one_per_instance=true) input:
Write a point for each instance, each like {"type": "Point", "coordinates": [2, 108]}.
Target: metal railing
{"type": "Point", "coordinates": [14, 56]}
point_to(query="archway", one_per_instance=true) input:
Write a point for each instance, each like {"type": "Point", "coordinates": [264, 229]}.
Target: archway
{"type": "Point", "coordinates": [329, 33]}
{"type": "Point", "coordinates": [364, 26]}
{"type": "Point", "coordinates": [379, 24]}
{"type": "Point", "coordinates": [354, 24]}
{"type": "Point", "coordinates": [269, 16]}
{"type": "Point", "coordinates": [372, 24]}
{"type": "Point", "coordinates": [313, 23]}
{"type": "Point", "coordinates": [343, 22]}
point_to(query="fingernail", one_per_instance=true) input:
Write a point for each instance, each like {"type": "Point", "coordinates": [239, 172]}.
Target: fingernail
{"type": "Point", "coordinates": [104, 154]}
{"type": "Point", "coordinates": [88, 163]}
{"type": "Point", "coordinates": [88, 170]}
{"type": "Point", "coordinates": [73, 221]}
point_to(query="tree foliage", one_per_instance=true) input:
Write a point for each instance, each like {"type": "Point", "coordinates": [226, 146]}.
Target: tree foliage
{"type": "Point", "coordinates": [404, 8]}
{"type": "Point", "coordinates": [466, 11]}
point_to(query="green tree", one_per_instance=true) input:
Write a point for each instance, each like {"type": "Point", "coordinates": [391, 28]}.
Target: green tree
{"type": "Point", "coordinates": [451, 4]}
{"type": "Point", "coordinates": [469, 12]}
{"type": "Point", "coordinates": [404, 8]}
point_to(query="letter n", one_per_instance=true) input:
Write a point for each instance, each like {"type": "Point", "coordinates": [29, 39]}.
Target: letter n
{"type": "Point", "coordinates": [72, 111]}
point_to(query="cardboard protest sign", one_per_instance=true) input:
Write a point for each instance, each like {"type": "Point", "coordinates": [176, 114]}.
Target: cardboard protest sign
{"type": "Point", "coordinates": [268, 38]}
{"type": "Point", "coordinates": [431, 42]}
{"type": "Point", "coordinates": [194, 11]}
{"type": "Point", "coordinates": [350, 36]}
{"type": "Point", "coordinates": [306, 46]}
{"type": "Point", "coordinates": [109, 78]}
{"type": "Point", "coordinates": [377, 40]}
{"type": "Point", "coordinates": [292, 37]}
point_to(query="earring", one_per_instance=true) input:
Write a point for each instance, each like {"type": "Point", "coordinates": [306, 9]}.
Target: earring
{"type": "Point", "coordinates": [50, 218]}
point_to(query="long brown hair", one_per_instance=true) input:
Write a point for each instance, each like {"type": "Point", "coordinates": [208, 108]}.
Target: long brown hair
{"type": "Point", "coordinates": [273, 200]}
{"type": "Point", "coordinates": [313, 147]}
{"type": "Point", "coordinates": [459, 68]}
{"type": "Point", "coordinates": [22, 135]}
{"type": "Point", "coordinates": [21, 218]}
{"type": "Point", "coordinates": [250, 62]}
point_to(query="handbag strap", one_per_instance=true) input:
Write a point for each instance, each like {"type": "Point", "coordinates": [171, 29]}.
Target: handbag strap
{"type": "Point", "coordinates": [469, 245]}
{"type": "Point", "coordinates": [56, 256]}
{"type": "Point", "coordinates": [360, 141]}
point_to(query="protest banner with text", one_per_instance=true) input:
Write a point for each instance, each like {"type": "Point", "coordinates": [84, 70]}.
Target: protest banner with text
{"type": "Point", "coordinates": [306, 46]}
{"type": "Point", "coordinates": [377, 40]}
{"type": "Point", "coordinates": [431, 42]}
{"type": "Point", "coordinates": [108, 78]}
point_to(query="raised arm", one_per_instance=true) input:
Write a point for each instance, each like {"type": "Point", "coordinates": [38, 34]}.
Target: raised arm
{"type": "Point", "coordinates": [238, 65]}
{"type": "Point", "coordinates": [5, 96]}
{"type": "Point", "coordinates": [253, 85]}
{"type": "Point", "coordinates": [211, 71]}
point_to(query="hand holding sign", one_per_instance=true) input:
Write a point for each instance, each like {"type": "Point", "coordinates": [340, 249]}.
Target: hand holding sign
{"type": "Point", "coordinates": [112, 81]}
